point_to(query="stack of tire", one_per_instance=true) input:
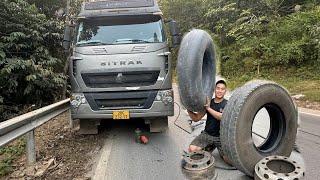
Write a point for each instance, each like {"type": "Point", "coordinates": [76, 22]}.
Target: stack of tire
{"type": "Point", "coordinates": [196, 78]}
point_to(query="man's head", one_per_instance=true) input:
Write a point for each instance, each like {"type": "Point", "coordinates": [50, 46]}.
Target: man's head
{"type": "Point", "coordinates": [221, 89]}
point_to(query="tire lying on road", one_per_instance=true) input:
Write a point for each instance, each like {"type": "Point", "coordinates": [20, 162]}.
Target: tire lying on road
{"type": "Point", "coordinates": [238, 117]}
{"type": "Point", "coordinates": [196, 69]}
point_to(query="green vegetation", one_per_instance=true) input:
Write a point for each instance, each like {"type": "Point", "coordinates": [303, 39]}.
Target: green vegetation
{"type": "Point", "coordinates": [310, 88]}
{"type": "Point", "coordinates": [10, 153]}
{"type": "Point", "coordinates": [272, 39]}
{"type": "Point", "coordinates": [277, 40]}
{"type": "Point", "coordinates": [31, 57]}
{"type": "Point", "coordinates": [31, 63]}
{"type": "Point", "coordinates": [266, 39]}
{"type": "Point", "coordinates": [33, 67]}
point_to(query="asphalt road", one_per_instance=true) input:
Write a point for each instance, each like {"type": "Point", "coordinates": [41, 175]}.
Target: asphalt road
{"type": "Point", "coordinates": [122, 158]}
{"type": "Point", "coordinates": [309, 143]}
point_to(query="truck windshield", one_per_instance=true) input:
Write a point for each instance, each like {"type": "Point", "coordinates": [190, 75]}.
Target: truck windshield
{"type": "Point", "coordinates": [120, 30]}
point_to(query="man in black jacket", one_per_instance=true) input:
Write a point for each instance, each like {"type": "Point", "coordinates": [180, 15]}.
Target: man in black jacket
{"type": "Point", "coordinates": [210, 137]}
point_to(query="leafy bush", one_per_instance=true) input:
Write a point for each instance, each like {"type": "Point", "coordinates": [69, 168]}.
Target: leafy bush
{"type": "Point", "coordinates": [30, 56]}
{"type": "Point", "coordinates": [289, 41]}
{"type": "Point", "coordinates": [254, 35]}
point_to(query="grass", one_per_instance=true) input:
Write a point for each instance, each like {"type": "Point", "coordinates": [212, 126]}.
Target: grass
{"type": "Point", "coordinates": [9, 154]}
{"type": "Point", "coordinates": [304, 82]}
{"type": "Point", "coordinates": [309, 88]}
{"type": "Point", "coordinates": [295, 85]}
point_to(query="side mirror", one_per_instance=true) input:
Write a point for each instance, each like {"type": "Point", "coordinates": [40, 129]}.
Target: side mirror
{"type": "Point", "coordinates": [175, 33]}
{"type": "Point", "coordinates": [67, 38]}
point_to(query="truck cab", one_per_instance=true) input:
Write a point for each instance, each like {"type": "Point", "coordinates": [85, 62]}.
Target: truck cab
{"type": "Point", "coordinates": [120, 64]}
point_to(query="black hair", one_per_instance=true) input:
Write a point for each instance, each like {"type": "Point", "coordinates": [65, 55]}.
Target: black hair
{"type": "Point", "coordinates": [221, 82]}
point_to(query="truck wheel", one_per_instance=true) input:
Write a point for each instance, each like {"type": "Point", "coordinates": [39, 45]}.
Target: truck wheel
{"type": "Point", "coordinates": [89, 126]}
{"type": "Point", "coordinates": [196, 69]}
{"type": "Point", "coordinates": [157, 125]}
{"type": "Point", "coordinates": [279, 167]}
{"type": "Point", "coordinates": [238, 117]}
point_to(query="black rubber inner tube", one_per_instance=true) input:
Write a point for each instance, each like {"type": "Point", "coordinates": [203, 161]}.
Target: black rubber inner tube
{"type": "Point", "coordinates": [207, 65]}
{"type": "Point", "coordinates": [196, 69]}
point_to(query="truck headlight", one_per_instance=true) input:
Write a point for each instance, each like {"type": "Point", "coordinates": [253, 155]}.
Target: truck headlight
{"type": "Point", "coordinates": [165, 96]}
{"type": "Point", "coordinates": [77, 100]}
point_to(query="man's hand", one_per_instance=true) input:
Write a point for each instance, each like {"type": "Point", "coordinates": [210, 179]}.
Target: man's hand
{"type": "Point", "coordinates": [207, 105]}
{"type": "Point", "coordinates": [195, 116]}
{"type": "Point", "coordinates": [192, 113]}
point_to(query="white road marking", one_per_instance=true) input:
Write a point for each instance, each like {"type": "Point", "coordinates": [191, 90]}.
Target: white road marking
{"type": "Point", "coordinates": [311, 114]}
{"type": "Point", "coordinates": [100, 171]}
{"type": "Point", "coordinates": [132, 88]}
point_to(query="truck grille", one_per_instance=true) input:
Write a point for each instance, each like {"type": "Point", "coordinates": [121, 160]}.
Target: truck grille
{"type": "Point", "coordinates": [121, 100]}
{"type": "Point", "coordinates": [120, 79]}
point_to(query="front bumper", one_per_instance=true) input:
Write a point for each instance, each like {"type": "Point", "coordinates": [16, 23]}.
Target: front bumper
{"type": "Point", "coordinates": [158, 108]}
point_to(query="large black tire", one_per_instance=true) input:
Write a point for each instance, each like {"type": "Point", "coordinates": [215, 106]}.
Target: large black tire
{"type": "Point", "coordinates": [238, 117]}
{"type": "Point", "coordinates": [196, 69]}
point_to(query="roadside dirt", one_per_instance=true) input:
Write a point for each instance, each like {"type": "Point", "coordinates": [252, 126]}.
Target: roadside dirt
{"type": "Point", "coordinates": [61, 153]}
{"type": "Point", "coordinates": [308, 104]}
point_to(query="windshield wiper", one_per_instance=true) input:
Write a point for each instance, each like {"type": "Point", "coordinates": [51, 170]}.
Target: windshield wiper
{"type": "Point", "coordinates": [97, 42]}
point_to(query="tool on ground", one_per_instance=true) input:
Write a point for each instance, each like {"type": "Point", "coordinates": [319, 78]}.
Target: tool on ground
{"type": "Point", "coordinates": [144, 139]}
{"type": "Point", "coordinates": [137, 135]}
{"type": "Point", "coordinates": [140, 138]}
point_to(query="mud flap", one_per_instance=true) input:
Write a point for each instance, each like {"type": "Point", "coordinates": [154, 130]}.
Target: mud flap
{"type": "Point", "coordinates": [157, 125]}
{"type": "Point", "coordinates": [89, 126]}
